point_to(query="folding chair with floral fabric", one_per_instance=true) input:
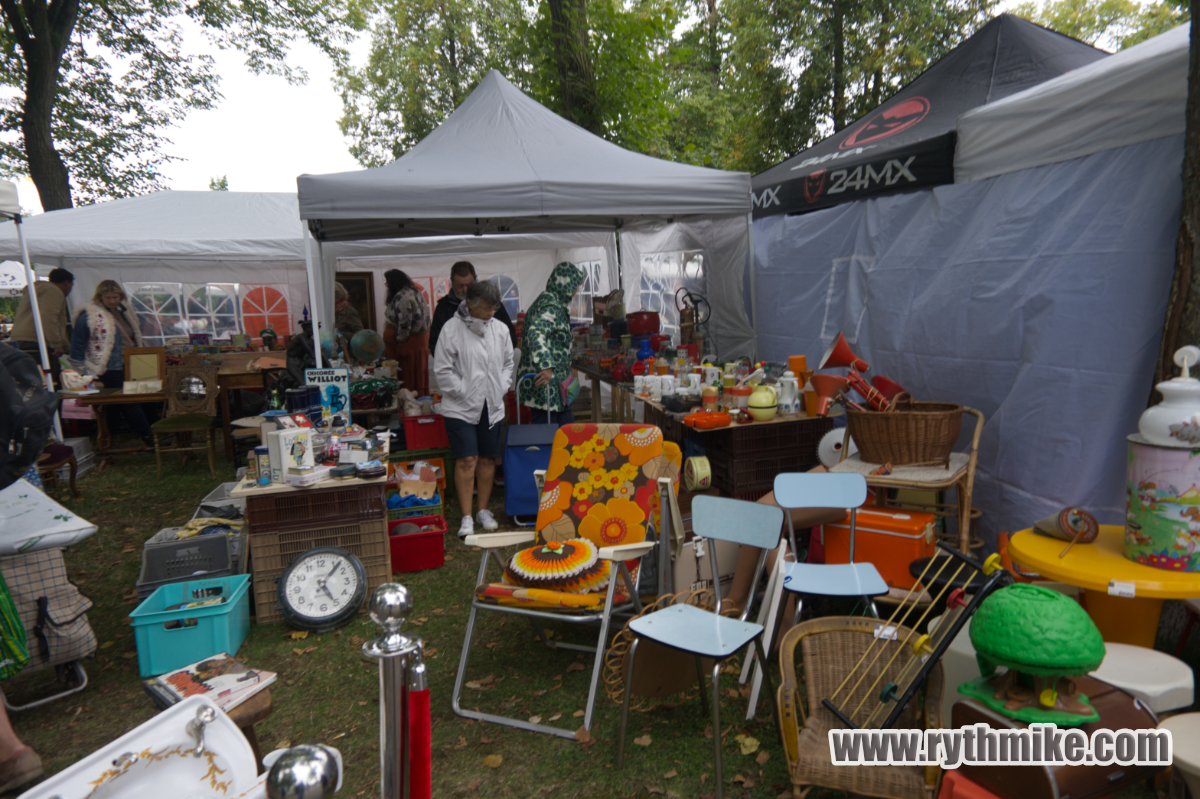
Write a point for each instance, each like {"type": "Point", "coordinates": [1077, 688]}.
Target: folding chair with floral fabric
{"type": "Point", "coordinates": [601, 501]}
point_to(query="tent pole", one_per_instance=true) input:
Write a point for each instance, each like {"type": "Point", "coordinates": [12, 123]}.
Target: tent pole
{"type": "Point", "coordinates": [753, 282]}
{"type": "Point", "coordinates": [313, 288]}
{"type": "Point", "coordinates": [31, 287]}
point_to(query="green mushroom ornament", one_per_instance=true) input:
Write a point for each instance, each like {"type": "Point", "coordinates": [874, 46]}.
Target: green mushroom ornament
{"type": "Point", "coordinates": [1043, 638]}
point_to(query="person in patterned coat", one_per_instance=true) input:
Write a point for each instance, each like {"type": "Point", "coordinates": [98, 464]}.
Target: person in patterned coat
{"type": "Point", "coordinates": [546, 347]}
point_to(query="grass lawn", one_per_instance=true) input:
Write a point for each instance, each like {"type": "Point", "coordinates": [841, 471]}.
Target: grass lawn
{"type": "Point", "coordinates": [328, 691]}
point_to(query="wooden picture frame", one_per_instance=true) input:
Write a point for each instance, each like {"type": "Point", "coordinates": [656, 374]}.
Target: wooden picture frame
{"type": "Point", "coordinates": [145, 363]}
{"type": "Point", "coordinates": [361, 288]}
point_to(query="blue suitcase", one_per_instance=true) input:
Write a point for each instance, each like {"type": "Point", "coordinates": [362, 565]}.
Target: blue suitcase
{"type": "Point", "coordinates": [526, 449]}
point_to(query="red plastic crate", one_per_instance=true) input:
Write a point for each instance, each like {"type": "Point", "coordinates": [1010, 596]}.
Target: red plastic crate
{"type": "Point", "coordinates": [510, 410]}
{"type": "Point", "coordinates": [414, 552]}
{"type": "Point", "coordinates": [425, 432]}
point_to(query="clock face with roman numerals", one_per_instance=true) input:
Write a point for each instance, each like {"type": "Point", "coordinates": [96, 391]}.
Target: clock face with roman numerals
{"type": "Point", "coordinates": [322, 589]}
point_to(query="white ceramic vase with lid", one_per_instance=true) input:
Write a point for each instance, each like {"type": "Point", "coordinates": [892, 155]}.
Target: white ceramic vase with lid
{"type": "Point", "coordinates": [1175, 422]}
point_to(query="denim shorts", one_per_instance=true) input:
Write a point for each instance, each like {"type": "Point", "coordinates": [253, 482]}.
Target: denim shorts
{"type": "Point", "coordinates": [468, 440]}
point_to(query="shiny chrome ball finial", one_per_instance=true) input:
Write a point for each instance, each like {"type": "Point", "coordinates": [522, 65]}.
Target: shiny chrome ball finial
{"type": "Point", "coordinates": [308, 771]}
{"type": "Point", "coordinates": [390, 604]}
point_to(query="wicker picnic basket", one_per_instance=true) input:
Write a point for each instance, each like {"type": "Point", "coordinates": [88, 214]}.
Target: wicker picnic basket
{"type": "Point", "coordinates": [907, 432]}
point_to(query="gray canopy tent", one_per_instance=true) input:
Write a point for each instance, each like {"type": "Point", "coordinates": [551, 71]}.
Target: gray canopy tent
{"type": "Point", "coordinates": [504, 164]}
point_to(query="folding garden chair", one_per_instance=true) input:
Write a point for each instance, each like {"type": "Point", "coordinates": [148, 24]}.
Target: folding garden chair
{"type": "Point", "coordinates": [601, 501]}
{"type": "Point", "coordinates": [814, 490]}
{"type": "Point", "coordinates": [708, 634]}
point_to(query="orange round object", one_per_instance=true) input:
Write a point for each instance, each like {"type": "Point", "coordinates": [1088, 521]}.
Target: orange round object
{"type": "Point", "coordinates": [707, 420]}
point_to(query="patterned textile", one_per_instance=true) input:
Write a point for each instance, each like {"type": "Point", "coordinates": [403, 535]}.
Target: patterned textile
{"type": "Point", "coordinates": [601, 486]}
{"type": "Point", "coordinates": [52, 609]}
{"type": "Point", "coordinates": [546, 343]}
{"type": "Point", "coordinates": [408, 314]}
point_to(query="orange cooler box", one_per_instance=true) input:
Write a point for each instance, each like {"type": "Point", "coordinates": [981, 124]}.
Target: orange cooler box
{"type": "Point", "coordinates": [889, 538]}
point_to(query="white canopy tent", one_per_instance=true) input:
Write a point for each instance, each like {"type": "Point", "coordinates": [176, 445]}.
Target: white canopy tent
{"type": "Point", "coordinates": [504, 164]}
{"type": "Point", "coordinates": [251, 246]}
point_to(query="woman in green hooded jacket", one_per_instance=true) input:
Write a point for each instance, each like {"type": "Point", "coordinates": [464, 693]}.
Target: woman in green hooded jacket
{"type": "Point", "coordinates": [546, 347]}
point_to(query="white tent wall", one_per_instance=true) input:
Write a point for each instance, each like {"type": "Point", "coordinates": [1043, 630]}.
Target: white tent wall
{"type": "Point", "coordinates": [1037, 297]}
{"type": "Point", "coordinates": [724, 243]}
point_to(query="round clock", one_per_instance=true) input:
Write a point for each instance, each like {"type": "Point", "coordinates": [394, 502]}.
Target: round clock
{"type": "Point", "coordinates": [322, 589]}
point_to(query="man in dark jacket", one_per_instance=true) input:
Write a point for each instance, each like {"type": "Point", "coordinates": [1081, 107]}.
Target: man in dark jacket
{"type": "Point", "coordinates": [462, 274]}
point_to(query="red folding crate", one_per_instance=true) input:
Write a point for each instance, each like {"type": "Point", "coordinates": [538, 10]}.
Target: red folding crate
{"type": "Point", "coordinates": [414, 552]}
{"type": "Point", "coordinates": [425, 432]}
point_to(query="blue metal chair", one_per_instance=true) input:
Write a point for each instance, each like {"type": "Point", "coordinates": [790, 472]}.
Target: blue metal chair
{"type": "Point", "coordinates": [824, 490]}
{"type": "Point", "coordinates": [709, 634]}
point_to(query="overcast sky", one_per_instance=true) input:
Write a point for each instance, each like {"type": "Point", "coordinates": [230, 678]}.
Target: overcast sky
{"type": "Point", "coordinates": [263, 133]}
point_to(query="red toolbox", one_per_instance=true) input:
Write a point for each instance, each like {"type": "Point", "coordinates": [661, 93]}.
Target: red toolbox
{"type": "Point", "coordinates": [890, 538]}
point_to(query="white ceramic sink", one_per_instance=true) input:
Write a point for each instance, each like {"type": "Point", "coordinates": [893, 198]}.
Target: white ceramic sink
{"type": "Point", "coordinates": [157, 760]}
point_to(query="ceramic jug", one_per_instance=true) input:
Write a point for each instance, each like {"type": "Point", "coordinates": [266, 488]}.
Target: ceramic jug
{"type": "Point", "coordinates": [763, 403]}
{"type": "Point", "coordinates": [1175, 422]}
{"type": "Point", "coordinates": [789, 394]}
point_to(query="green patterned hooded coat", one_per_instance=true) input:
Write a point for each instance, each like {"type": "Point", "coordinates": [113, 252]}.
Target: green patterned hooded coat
{"type": "Point", "coordinates": [546, 342]}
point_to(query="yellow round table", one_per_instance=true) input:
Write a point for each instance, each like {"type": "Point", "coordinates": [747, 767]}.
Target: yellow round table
{"type": "Point", "coordinates": [1093, 567]}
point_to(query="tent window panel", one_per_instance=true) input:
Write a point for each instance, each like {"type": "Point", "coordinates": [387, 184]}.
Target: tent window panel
{"type": "Point", "coordinates": [581, 304]}
{"type": "Point", "coordinates": [213, 308]}
{"type": "Point", "coordinates": [158, 310]}
{"type": "Point", "coordinates": [510, 293]}
{"type": "Point", "coordinates": [265, 307]}
{"type": "Point", "coordinates": [663, 274]}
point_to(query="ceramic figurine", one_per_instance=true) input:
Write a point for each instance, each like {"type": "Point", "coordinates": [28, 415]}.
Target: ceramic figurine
{"type": "Point", "coordinates": [1175, 422]}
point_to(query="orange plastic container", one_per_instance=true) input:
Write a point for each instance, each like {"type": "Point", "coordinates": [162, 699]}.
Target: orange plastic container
{"type": "Point", "coordinates": [889, 538]}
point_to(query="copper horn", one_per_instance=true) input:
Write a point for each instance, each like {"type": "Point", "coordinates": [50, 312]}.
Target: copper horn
{"type": "Point", "coordinates": [839, 354]}
{"type": "Point", "coordinates": [827, 388]}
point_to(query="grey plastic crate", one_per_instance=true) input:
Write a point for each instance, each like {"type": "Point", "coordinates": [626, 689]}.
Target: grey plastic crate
{"type": "Point", "coordinates": [220, 492]}
{"type": "Point", "coordinates": [174, 559]}
{"type": "Point", "coordinates": [239, 503]}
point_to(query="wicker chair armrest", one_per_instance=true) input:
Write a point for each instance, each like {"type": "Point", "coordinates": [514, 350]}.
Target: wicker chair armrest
{"type": "Point", "coordinates": [791, 721]}
{"type": "Point", "coordinates": [494, 540]}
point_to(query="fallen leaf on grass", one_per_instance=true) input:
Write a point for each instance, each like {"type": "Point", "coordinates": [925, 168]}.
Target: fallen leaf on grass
{"type": "Point", "coordinates": [763, 757]}
{"type": "Point", "coordinates": [483, 739]}
{"type": "Point", "coordinates": [294, 634]}
{"type": "Point", "coordinates": [535, 719]}
{"type": "Point", "coordinates": [708, 733]}
{"type": "Point", "coordinates": [473, 785]}
{"type": "Point", "coordinates": [129, 655]}
{"type": "Point", "coordinates": [462, 743]}
{"type": "Point", "coordinates": [555, 717]}
{"type": "Point", "coordinates": [128, 549]}
{"type": "Point", "coordinates": [670, 774]}
{"type": "Point", "coordinates": [130, 597]}
{"type": "Point", "coordinates": [747, 744]}
{"type": "Point", "coordinates": [539, 692]}
{"type": "Point", "coordinates": [582, 735]}
{"type": "Point", "coordinates": [107, 644]}
{"type": "Point", "coordinates": [491, 645]}
{"type": "Point", "coordinates": [655, 789]}
{"type": "Point", "coordinates": [363, 703]}
{"type": "Point", "coordinates": [786, 795]}
{"type": "Point", "coordinates": [431, 651]}
{"type": "Point", "coordinates": [730, 692]}
{"type": "Point", "coordinates": [642, 741]}
{"type": "Point", "coordinates": [575, 667]}
{"type": "Point", "coordinates": [484, 684]}
{"type": "Point", "coordinates": [354, 639]}
{"type": "Point", "coordinates": [438, 610]}
{"type": "Point", "coordinates": [449, 557]}
{"type": "Point", "coordinates": [578, 714]}
{"type": "Point", "coordinates": [109, 499]}
{"type": "Point", "coordinates": [493, 761]}
{"type": "Point", "coordinates": [284, 744]}
{"type": "Point", "coordinates": [703, 777]}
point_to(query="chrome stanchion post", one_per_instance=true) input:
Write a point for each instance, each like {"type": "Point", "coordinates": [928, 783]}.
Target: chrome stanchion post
{"type": "Point", "coordinates": [400, 667]}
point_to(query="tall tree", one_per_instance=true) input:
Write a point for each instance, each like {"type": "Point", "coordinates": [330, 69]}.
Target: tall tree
{"type": "Point", "coordinates": [802, 69]}
{"type": "Point", "coordinates": [94, 85]}
{"type": "Point", "coordinates": [1106, 23]}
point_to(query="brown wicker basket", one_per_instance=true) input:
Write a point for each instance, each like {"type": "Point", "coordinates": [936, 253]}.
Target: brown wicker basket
{"type": "Point", "coordinates": [907, 433]}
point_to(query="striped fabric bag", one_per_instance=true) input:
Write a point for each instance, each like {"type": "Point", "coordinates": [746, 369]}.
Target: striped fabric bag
{"type": "Point", "coordinates": [13, 654]}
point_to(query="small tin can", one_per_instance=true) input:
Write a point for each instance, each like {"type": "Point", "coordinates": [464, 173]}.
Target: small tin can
{"type": "Point", "coordinates": [263, 456]}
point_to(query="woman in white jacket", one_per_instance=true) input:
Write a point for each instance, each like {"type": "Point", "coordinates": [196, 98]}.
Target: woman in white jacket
{"type": "Point", "coordinates": [474, 365]}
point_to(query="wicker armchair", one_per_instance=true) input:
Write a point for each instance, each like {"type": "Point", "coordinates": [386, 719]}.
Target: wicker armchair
{"type": "Point", "coordinates": [830, 649]}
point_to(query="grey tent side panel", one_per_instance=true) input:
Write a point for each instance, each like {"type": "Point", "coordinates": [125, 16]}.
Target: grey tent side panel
{"type": "Point", "coordinates": [1037, 297]}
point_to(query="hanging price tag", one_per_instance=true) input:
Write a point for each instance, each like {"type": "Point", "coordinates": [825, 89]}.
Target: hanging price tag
{"type": "Point", "coordinates": [887, 633]}
{"type": "Point", "coordinates": [1118, 588]}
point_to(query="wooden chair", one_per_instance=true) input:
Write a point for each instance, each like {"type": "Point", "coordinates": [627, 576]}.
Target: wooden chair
{"type": "Point", "coordinates": [191, 410]}
{"type": "Point", "coordinates": [53, 458]}
{"type": "Point", "coordinates": [830, 649]}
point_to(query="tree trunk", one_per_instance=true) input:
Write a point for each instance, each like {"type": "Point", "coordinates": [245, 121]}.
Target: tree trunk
{"type": "Point", "coordinates": [576, 80]}
{"type": "Point", "coordinates": [714, 46]}
{"type": "Point", "coordinates": [839, 66]}
{"type": "Point", "coordinates": [451, 54]}
{"type": "Point", "coordinates": [1183, 308]}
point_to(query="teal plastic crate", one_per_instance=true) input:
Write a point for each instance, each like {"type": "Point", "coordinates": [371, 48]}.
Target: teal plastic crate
{"type": "Point", "coordinates": [170, 639]}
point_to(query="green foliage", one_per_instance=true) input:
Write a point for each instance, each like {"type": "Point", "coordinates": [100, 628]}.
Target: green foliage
{"type": "Point", "coordinates": [125, 78]}
{"type": "Point", "coordinates": [219, 184]}
{"type": "Point", "coordinates": [1106, 23]}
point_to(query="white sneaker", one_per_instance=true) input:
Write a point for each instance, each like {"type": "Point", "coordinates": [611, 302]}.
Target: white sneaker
{"type": "Point", "coordinates": [487, 520]}
{"type": "Point", "coordinates": [466, 528]}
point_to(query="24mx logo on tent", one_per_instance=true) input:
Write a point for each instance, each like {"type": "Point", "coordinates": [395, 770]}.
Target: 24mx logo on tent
{"type": "Point", "coordinates": [863, 177]}
{"type": "Point", "coordinates": [768, 198]}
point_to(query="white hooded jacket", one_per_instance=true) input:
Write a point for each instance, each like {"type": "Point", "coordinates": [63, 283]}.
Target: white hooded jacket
{"type": "Point", "coordinates": [473, 363]}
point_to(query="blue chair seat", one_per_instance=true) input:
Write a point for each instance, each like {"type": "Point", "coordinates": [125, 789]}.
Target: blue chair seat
{"type": "Point", "coordinates": [700, 632]}
{"type": "Point", "coordinates": [834, 579]}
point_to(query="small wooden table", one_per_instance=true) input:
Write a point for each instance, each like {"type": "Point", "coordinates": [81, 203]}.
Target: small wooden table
{"type": "Point", "coordinates": [1092, 567]}
{"type": "Point", "coordinates": [235, 373]}
{"type": "Point", "coordinates": [106, 397]}
{"type": "Point", "coordinates": [249, 713]}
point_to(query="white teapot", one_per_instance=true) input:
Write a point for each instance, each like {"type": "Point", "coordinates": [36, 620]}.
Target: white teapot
{"type": "Point", "coordinates": [1175, 422]}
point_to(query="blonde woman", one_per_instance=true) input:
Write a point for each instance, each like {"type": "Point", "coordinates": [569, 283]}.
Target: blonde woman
{"type": "Point", "coordinates": [103, 328]}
